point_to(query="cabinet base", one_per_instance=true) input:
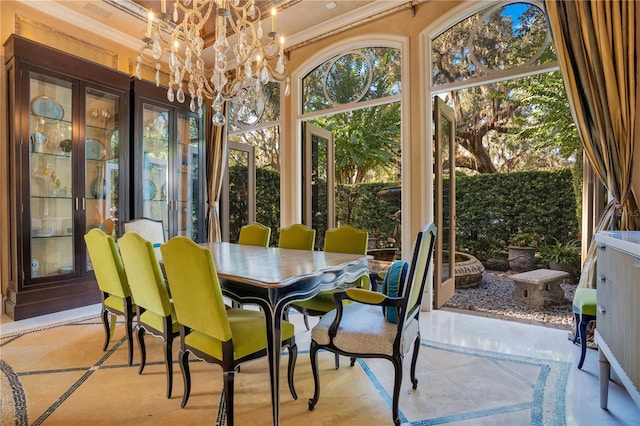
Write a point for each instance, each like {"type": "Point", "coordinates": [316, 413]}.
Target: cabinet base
{"type": "Point", "coordinates": [32, 303]}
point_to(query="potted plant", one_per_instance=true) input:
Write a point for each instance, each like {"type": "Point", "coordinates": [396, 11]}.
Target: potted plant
{"type": "Point", "coordinates": [522, 251]}
{"type": "Point", "coordinates": [562, 256]}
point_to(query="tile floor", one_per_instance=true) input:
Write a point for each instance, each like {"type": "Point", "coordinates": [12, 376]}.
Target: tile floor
{"type": "Point", "coordinates": [582, 398]}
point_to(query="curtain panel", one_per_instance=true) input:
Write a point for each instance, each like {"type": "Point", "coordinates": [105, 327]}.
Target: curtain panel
{"type": "Point", "coordinates": [216, 165]}
{"type": "Point", "coordinates": [596, 46]}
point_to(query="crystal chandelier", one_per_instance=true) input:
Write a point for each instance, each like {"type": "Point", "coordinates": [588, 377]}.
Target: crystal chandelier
{"type": "Point", "coordinates": [181, 40]}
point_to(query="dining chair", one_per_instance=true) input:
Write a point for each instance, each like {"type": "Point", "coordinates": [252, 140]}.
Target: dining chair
{"type": "Point", "coordinates": [151, 230]}
{"type": "Point", "coordinates": [112, 282]}
{"type": "Point", "coordinates": [154, 308]}
{"type": "Point", "coordinates": [343, 239]}
{"type": "Point", "coordinates": [209, 330]}
{"type": "Point", "coordinates": [362, 330]}
{"type": "Point", "coordinates": [255, 234]}
{"type": "Point", "coordinates": [297, 237]}
{"type": "Point", "coordinates": [585, 303]}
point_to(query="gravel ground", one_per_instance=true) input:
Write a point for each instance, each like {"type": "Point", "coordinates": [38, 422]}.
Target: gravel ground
{"type": "Point", "coordinates": [493, 298]}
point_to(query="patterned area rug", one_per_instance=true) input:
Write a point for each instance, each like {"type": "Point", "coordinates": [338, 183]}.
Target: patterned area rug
{"type": "Point", "coordinates": [60, 376]}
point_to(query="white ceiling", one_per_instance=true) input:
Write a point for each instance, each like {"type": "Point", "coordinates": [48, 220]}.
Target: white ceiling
{"type": "Point", "coordinates": [300, 21]}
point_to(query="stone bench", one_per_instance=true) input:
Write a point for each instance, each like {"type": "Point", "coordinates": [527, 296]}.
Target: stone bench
{"type": "Point", "coordinates": [540, 286]}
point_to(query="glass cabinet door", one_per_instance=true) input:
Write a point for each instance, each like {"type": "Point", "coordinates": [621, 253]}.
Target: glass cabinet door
{"type": "Point", "coordinates": [101, 161]}
{"type": "Point", "coordinates": [155, 172]}
{"type": "Point", "coordinates": [187, 185]}
{"type": "Point", "coordinates": [51, 176]}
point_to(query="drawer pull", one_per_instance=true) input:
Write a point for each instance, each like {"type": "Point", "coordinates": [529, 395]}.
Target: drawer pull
{"type": "Point", "coordinates": [601, 247]}
{"type": "Point", "coordinates": [602, 278]}
{"type": "Point", "coordinates": [602, 310]}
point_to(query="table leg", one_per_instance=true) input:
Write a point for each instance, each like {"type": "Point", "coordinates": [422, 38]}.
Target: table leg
{"type": "Point", "coordinates": [273, 318]}
{"type": "Point", "coordinates": [605, 375]}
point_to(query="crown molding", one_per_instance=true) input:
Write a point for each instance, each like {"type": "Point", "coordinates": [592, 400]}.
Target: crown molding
{"type": "Point", "coordinates": [70, 16]}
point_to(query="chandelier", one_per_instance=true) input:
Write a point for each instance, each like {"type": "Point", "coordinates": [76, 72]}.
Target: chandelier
{"type": "Point", "coordinates": [238, 34]}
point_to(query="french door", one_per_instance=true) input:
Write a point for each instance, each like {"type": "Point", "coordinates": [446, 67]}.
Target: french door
{"type": "Point", "coordinates": [318, 190]}
{"type": "Point", "coordinates": [445, 202]}
{"type": "Point", "coordinates": [238, 204]}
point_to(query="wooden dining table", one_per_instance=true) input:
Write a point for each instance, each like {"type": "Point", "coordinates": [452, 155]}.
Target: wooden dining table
{"type": "Point", "coordinates": [272, 278]}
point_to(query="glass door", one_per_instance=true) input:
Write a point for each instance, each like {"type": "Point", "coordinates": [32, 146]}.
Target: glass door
{"type": "Point", "coordinates": [188, 176]}
{"type": "Point", "coordinates": [51, 176]}
{"type": "Point", "coordinates": [445, 199]}
{"type": "Point", "coordinates": [239, 198]}
{"type": "Point", "coordinates": [318, 193]}
{"type": "Point", "coordinates": [155, 164]}
{"type": "Point", "coordinates": [101, 161]}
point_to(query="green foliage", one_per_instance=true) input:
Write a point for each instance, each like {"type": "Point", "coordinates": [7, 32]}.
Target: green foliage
{"type": "Point", "coordinates": [267, 201]}
{"type": "Point", "coordinates": [568, 252]}
{"type": "Point", "coordinates": [360, 206]}
{"type": "Point", "coordinates": [523, 239]}
{"type": "Point", "coordinates": [491, 208]}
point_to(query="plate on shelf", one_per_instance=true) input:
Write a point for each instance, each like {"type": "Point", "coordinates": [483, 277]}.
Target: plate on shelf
{"type": "Point", "coordinates": [47, 108]}
{"type": "Point", "coordinates": [148, 190]}
{"type": "Point", "coordinates": [94, 150]}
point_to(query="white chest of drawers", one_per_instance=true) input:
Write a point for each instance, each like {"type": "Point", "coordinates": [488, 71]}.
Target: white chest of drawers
{"type": "Point", "coordinates": [618, 314]}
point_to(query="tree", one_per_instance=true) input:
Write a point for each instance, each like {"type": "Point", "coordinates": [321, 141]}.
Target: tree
{"type": "Point", "coordinates": [496, 123]}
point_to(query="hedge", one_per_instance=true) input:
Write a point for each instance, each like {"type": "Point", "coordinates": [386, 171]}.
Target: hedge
{"type": "Point", "coordinates": [489, 209]}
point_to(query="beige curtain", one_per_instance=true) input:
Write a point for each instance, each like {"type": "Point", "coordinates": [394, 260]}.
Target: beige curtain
{"type": "Point", "coordinates": [595, 42]}
{"type": "Point", "coordinates": [216, 165]}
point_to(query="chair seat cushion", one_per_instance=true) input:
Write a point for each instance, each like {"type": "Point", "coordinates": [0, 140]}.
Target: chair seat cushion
{"type": "Point", "coordinates": [248, 331]}
{"type": "Point", "coordinates": [363, 329]}
{"type": "Point", "coordinates": [585, 301]}
{"type": "Point", "coordinates": [392, 286]}
{"type": "Point", "coordinates": [322, 302]}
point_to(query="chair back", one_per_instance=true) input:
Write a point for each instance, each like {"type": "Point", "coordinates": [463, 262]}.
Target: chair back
{"type": "Point", "coordinates": [347, 239]}
{"type": "Point", "coordinates": [107, 264]}
{"type": "Point", "coordinates": [150, 229]}
{"type": "Point", "coordinates": [144, 274]}
{"type": "Point", "coordinates": [255, 234]}
{"type": "Point", "coordinates": [195, 288]}
{"type": "Point", "coordinates": [297, 237]}
{"type": "Point", "coordinates": [417, 277]}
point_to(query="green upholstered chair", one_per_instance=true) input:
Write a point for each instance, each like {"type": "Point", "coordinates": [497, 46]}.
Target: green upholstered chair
{"type": "Point", "coordinates": [255, 234]}
{"type": "Point", "coordinates": [154, 307]}
{"type": "Point", "coordinates": [209, 330]}
{"type": "Point", "coordinates": [360, 329]}
{"type": "Point", "coordinates": [584, 311]}
{"type": "Point", "coordinates": [297, 237]}
{"type": "Point", "coordinates": [112, 282]}
{"type": "Point", "coordinates": [343, 239]}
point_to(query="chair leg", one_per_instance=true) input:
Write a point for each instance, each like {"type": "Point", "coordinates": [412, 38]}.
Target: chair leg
{"type": "Point", "coordinates": [143, 349]}
{"type": "Point", "coordinates": [186, 376]}
{"type": "Point", "coordinates": [313, 356]}
{"type": "Point", "coordinates": [414, 360]}
{"type": "Point", "coordinates": [107, 329]}
{"type": "Point", "coordinates": [293, 356]}
{"type": "Point", "coordinates": [337, 360]}
{"type": "Point", "coordinates": [168, 360]}
{"type": "Point", "coordinates": [353, 362]}
{"type": "Point", "coordinates": [397, 367]}
{"type": "Point", "coordinates": [306, 321]}
{"type": "Point", "coordinates": [128, 319]}
{"type": "Point", "coordinates": [576, 318]}
{"type": "Point", "coordinates": [582, 329]}
{"type": "Point", "coordinates": [228, 394]}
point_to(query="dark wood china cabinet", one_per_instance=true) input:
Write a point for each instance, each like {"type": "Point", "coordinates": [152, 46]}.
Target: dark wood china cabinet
{"type": "Point", "coordinates": [167, 161]}
{"type": "Point", "coordinates": [68, 151]}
